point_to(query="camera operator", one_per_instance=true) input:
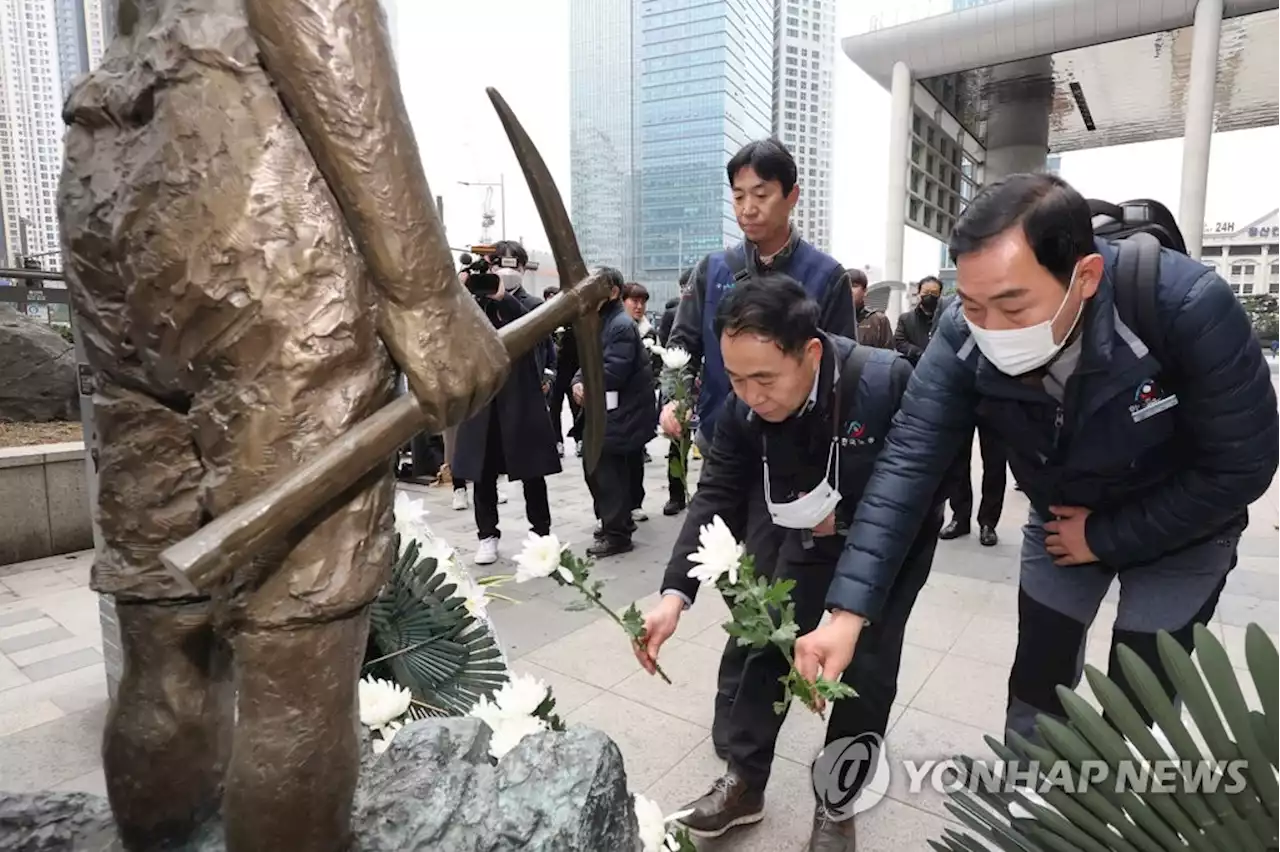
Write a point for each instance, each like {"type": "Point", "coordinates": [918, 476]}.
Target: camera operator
{"type": "Point", "coordinates": [513, 434]}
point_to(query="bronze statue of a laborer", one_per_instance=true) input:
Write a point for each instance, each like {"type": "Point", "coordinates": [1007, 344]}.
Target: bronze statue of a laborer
{"type": "Point", "coordinates": [252, 250]}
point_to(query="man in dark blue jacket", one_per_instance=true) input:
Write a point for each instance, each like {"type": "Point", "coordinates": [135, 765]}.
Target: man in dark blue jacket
{"type": "Point", "coordinates": [1139, 448]}
{"type": "Point", "coordinates": [808, 412]}
{"type": "Point", "coordinates": [762, 177]}
{"type": "Point", "coordinates": [629, 422]}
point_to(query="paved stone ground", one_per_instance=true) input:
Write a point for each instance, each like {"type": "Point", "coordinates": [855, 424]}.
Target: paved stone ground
{"type": "Point", "coordinates": [960, 644]}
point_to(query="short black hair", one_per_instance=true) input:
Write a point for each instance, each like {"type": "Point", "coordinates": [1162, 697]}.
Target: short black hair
{"type": "Point", "coordinates": [632, 290]}
{"type": "Point", "coordinates": [671, 303]}
{"type": "Point", "coordinates": [929, 278]}
{"type": "Point", "coordinates": [772, 306]}
{"type": "Point", "coordinates": [768, 158]}
{"type": "Point", "coordinates": [511, 248]}
{"type": "Point", "coordinates": [857, 278]}
{"type": "Point", "coordinates": [1055, 219]}
{"type": "Point", "coordinates": [686, 275]}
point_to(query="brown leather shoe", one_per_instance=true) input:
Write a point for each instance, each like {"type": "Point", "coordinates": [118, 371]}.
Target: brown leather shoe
{"type": "Point", "coordinates": [729, 802]}
{"type": "Point", "coordinates": [831, 836]}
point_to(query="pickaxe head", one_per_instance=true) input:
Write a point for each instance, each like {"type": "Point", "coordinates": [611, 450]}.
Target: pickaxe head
{"type": "Point", "coordinates": [574, 279]}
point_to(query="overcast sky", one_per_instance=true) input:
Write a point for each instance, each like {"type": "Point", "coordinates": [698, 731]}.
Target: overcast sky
{"type": "Point", "coordinates": [449, 52]}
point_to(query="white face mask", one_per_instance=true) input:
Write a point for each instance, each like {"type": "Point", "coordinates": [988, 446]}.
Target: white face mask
{"type": "Point", "coordinates": [813, 508]}
{"type": "Point", "coordinates": [1015, 351]}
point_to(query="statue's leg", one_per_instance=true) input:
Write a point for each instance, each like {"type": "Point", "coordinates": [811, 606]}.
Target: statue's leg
{"type": "Point", "coordinates": [295, 756]}
{"type": "Point", "coordinates": [164, 740]}
{"type": "Point", "coordinates": [161, 750]}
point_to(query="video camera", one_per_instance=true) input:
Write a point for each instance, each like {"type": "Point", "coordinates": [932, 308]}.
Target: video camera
{"type": "Point", "coordinates": [480, 265]}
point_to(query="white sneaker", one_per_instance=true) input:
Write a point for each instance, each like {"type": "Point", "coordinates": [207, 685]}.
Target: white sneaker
{"type": "Point", "coordinates": [487, 552]}
{"type": "Point", "coordinates": [460, 501]}
{"type": "Point", "coordinates": [639, 515]}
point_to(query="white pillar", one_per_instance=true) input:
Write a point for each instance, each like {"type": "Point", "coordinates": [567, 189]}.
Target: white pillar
{"type": "Point", "coordinates": [895, 220]}
{"type": "Point", "coordinates": [1199, 129]}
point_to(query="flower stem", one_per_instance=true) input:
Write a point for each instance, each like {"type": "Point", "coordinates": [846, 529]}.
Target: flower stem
{"type": "Point", "coordinates": [595, 599]}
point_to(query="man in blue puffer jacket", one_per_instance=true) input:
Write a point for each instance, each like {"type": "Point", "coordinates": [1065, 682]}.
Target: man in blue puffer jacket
{"type": "Point", "coordinates": [1140, 449]}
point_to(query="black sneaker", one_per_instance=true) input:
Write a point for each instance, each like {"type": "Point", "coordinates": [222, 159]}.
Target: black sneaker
{"type": "Point", "coordinates": [673, 507]}
{"type": "Point", "coordinates": [727, 804]}
{"type": "Point", "coordinates": [605, 547]}
{"type": "Point", "coordinates": [955, 529]}
{"type": "Point", "coordinates": [831, 836]}
{"type": "Point", "coordinates": [987, 536]}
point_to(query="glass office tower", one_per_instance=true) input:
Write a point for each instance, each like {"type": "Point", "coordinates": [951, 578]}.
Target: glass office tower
{"type": "Point", "coordinates": [704, 89]}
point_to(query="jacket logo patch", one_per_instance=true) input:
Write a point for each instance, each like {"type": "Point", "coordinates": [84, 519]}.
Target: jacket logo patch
{"type": "Point", "coordinates": [1149, 399]}
{"type": "Point", "coordinates": [854, 434]}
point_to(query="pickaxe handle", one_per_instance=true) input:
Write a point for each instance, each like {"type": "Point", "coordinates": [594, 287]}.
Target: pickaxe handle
{"type": "Point", "coordinates": [205, 558]}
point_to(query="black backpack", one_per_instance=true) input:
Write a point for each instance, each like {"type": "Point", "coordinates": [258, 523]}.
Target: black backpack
{"type": "Point", "coordinates": [1140, 229]}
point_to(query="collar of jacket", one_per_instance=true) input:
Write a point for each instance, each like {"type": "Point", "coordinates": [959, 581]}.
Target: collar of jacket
{"type": "Point", "coordinates": [753, 251]}
{"type": "Point", "coordinates": [609, 308]}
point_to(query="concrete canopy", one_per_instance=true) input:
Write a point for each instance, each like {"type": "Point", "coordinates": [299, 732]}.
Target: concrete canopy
{"type": "Point", "coordinates": [1119, 69]}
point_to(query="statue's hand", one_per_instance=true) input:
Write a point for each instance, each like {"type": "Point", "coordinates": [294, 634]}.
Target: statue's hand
{"type": "Point", "coordinates": [452, 356]}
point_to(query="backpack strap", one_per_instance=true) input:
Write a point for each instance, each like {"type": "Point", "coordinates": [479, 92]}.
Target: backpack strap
{"type": "Point", "coordinates": [851, 370]}
{"type": "Point", "coordinates": [1137, 274]}
{"type": "Point", "coordinates": [736, 259]}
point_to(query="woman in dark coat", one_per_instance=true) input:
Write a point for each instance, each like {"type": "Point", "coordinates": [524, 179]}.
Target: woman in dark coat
{"type": "Point", "coordinates": [630, 422]}
{"type": "Point", "coordinates": [513, 434]}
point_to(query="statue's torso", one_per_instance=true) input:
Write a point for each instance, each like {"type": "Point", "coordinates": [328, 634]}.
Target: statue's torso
{"type": "Point", "coordinates": [199, 230]}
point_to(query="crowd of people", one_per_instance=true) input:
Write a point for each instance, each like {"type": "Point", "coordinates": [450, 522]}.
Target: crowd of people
{"type": "Point", "coordinates": [1134, 409]}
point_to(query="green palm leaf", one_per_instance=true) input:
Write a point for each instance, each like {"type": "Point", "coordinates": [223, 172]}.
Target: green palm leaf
{"type": "Point", "coordinates": [1203, 819]}
{"type": "Point", "coordinates": [424, 639]}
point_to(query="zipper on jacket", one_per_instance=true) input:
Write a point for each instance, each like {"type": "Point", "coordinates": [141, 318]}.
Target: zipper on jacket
{"type": "Point", "coordinates": [1057, 428]}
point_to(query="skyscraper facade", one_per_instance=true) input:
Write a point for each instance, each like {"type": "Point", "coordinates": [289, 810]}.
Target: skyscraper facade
{"type": "Point", "coordinates": [803, 106]}
{"type": "Point", "coordinates": [602, 145]}
{"type": "Point", "coordinates": [44, 45]}
{"type": "Point", "coordinates": [704, 89]}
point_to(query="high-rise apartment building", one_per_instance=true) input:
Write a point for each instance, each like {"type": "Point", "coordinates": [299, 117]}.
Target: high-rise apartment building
{"type": "Point", "coordinates": [602, 146]}
{"type": "Point", "coordinates": [44, 45]}
{"type": "Point", "coordinates": [662, 93]}
{"type": "Point", "coordinates": [803, 106]}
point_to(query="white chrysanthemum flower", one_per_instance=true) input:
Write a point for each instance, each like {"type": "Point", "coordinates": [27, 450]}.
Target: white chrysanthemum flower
{"type": "Point", "coordinates": [381, 702]}
{"type": "Point", "coordinates": [675, 358]}
{"type": "Point", "coordinates": [540, 557]}
{"type": "Point", "coordinates": [510, 731]}
{"type": "Point", "coordinates": [411, 519]}
{"type": "Point", "coordinates": [653, 828]}
{"type": "Point", "coordinates": [718, 553]}
{"type": "Point", "coordinates": [521, 695]}
{"type": "Point", "coordinates": [488, 711]}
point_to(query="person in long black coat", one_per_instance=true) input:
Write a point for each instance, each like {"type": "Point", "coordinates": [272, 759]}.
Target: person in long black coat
{"type": "Point", "coordinates": [630, 422]}
{"type": "Point", "coordinates": [513, 434]}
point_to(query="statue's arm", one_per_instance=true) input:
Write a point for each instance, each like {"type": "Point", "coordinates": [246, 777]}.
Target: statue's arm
{"type": "Point", "coordinates": [331, 62]}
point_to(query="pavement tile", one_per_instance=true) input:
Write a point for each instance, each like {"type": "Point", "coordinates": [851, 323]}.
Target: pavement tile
{"type": "Point", "coordinates": [18, 616]}
{"type": "Point", "coordinates": [91, 782]}
{"type": "Point", "coordinates": [599, 654]}
{"type": "Point", "coordinates": [63, 663]}
{"type": "Point", "coordinates": [892, 825]}
{"type": "Point", "coordinates": [46, 755]}
{"type": "Point", "coordinates": [27, 715]}
{"type": "Point", "coordinates": [937, 627]}
{"type": "Point", "coordinates": [10, 675]}
{"type": "Point", "coordinates": [917, 665]}
{"type": "Point", "coordinates": [652, 742]}
{"type": "Point", "coordinates": [1242, 611]}
{"type": "Point", "coordinates": [23, 641]}
{"type": "Point", "coordinates": [691, 693]}
{"type": "Point", "coordinates": [73, 691]}
{"type": "Point", "coordinates": [49, 650]}
{"type": "Point", "coordinates": [917, 737]}
{"type": "Point", "coordinates": [32, 625]}
{"type": "Point", "coordinates": [532, 623]}
{"type": "Point", "coordinates": [31, 583]}
{"type": "Point", "coordinates": [569, 693]}
{"type": "Point", "coordinates": [989, 638]}
{"type": "Point", "coordinates": [965, 691]}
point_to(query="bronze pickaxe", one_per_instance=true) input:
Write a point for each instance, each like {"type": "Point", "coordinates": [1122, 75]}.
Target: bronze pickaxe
{"type": "Point", "coordinates": [204, 558]}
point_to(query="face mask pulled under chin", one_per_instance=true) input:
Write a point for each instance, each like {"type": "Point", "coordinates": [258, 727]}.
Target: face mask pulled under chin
{"type": "Point", "coordinates": [808, 511]}
{"type": "Point", "coordinates": [1016, 351]}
